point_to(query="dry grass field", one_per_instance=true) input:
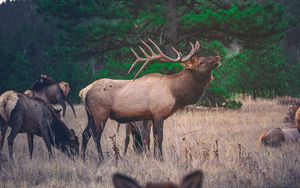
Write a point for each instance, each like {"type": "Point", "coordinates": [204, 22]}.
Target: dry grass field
{"type": "Point", "coordinates": [189, 143]}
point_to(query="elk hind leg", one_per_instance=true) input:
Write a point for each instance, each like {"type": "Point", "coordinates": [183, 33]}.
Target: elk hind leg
{"type": "Point", "coordinates": [97, 133]}
{"type": "Point", "coordinates": [16, 122]}
{"type": "Point", "coordinates": [86, 135]}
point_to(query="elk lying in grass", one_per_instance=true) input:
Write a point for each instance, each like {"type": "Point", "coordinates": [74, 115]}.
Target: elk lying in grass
{"type": "Point", "coordinates": [33, 116]}
{"type": "Point", "coordinates": [276, 136]}
{"type": "Point", "coordinates": [297, 118]}
{"type": "Point", "coordinates": [51, 92]}
{"type": "Point", "coordinates": [192, 180]}
{"type": "Point", "coordinates": [152, 97]}
{"type": "Point", "coordinates": [140, 131]}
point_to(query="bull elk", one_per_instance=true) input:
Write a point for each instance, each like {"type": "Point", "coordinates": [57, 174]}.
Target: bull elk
{"type": "Point", "coordinates": [192, 180]}
{"type": "Point", "coordinates": [152, 97]}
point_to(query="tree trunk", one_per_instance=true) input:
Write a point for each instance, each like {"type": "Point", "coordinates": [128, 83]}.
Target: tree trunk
{"type": "Point", "coordinates": [171, 27]}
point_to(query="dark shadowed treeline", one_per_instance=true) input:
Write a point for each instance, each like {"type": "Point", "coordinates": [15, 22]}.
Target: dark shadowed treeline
{"type": "Point", "coordinates": [24, 40]}
{"type": "Point", "coordinates": [80, 41]}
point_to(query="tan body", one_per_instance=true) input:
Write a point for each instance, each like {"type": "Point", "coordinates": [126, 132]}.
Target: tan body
{"type": "Point", "coordinates": [192, 180]}
{"type": "Point", "coordinates": [297, 118]}
{"type": "Point", "coordinates": [152, 97]}
{"type": "Point", "coordinates": [277, 136]}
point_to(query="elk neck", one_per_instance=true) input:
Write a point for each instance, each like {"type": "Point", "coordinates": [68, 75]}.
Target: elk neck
{"type": "Point", "coordinates": [188, 86]}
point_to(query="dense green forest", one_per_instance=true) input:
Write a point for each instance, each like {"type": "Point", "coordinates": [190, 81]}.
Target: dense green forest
{"type": "Point", "coordinates": [84, 40]}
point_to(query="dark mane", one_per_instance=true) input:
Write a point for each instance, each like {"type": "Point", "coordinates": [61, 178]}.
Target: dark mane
{"type": "Point", "coordinates": [43, 82]}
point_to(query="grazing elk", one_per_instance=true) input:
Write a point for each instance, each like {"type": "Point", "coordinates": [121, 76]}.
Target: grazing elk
{"type": "Point", "coordinates": [52, 92]}
{"type": "Point", "coordinates": [152, 97]}
{"type": "Point", "coordinates": [192, 180]}
{"type": "Point", "coordinates": [140, 131]}
{"type": "Point", "coordinates": [33, 116]}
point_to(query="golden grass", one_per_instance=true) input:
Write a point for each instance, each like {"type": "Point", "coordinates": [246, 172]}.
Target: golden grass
{"type": "Point", "coordinates": [189, 143]}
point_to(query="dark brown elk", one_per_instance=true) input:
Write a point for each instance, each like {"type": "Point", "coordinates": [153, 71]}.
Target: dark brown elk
{"type": "Point", "coordinates": [152, 97]}
{"type": "Point", "coordinates": [140, 131]}
{"type": "Point", "coordinates": [52, 92]}
{"type": "Point", "coordinates": [192, 180]}
{"type": "Point", "coordinates": [33, 116]}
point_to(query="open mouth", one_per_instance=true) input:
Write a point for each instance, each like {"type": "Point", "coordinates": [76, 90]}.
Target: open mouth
{"type": "Point", "coordinates": [216, 64]}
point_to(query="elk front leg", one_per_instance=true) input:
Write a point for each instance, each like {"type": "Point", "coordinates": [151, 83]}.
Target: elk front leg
{"type": "Point", "coordinates": [30, 137]}
{"type": "Point", "coordinates": [45, 136]}
{"type": "Point", "coordinates": [3, 133]}
{"type": "Point", "coordinates": [146, 135]}
{"type": "Point", "coordinates": [158, 138]}
{"type": "Point", "coordinates": [3, 128]}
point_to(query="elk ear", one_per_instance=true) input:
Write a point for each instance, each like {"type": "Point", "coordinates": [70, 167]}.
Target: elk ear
{"type": "Point", "coordinates": [122, 181]}
{"type": "Point", "coordinates": [72, 134]}
{"type": "Point", "coordinates": [193, 180]}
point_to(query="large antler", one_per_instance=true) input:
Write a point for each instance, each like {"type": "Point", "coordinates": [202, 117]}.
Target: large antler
{"type": "Point", "coordinates": [160, 56]}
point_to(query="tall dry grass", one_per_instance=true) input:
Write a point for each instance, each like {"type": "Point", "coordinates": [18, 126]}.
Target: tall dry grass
{"type": "Point", "coordinates": [189, 143]}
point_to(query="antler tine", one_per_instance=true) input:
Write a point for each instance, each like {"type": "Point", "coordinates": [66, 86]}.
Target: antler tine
{"type": "Point", "coordinates": [148, 47]}
{"type": "Point", "coordinates": [194, 49]}
{"type": "Point", "coordinates": [166, 58]}
{"type": "Point", "coordinates": [138, 59]}
{"type": "Point", "coordinates": [141, 69]}
{"type": "Point", "coordinates": [144, 52]}
{"type": "Point", "coordinates": [153, 56]}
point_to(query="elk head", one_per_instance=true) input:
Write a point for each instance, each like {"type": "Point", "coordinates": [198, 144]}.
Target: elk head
{"type": "Point", "coordinates": [65, 87]}
{"type": "Point", "coordinates": [192, 180]}
{"type": "Point", "coordinates": [72, 144]}
{"type": "Point", "coordinates": [197, 64]}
